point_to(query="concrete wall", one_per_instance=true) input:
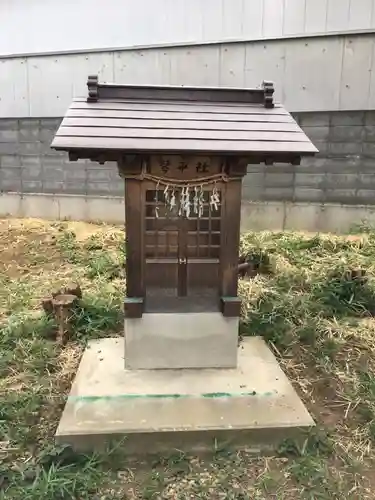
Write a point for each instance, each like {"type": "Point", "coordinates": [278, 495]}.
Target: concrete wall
{"type": "Point", "coordinates": [310, 74]}
{"type": "Point", "coordinates": [279, 196]}
{"type": "Point", "coordinates": [319, 53]}
{"type": "Point", "coordinates": [343, 171]}
{"type": "Point", "coordinates": [28, 165]}
{"type": "Point", "coordinates": [256, 216]}
{"type": "Point", "coordinates": [54, 25]}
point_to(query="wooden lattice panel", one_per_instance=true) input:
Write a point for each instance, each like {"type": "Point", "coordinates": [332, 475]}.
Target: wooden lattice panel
{"type": "Point", "coordinates": [169, 235]}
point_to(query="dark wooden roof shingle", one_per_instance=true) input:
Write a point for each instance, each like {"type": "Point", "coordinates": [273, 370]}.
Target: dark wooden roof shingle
{"type": "Point", "coordinates": [179, 119]}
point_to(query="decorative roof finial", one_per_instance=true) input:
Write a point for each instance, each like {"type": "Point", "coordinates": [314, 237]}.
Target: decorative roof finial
{"type": "Point", "coordinates": [268, 89]}
{"type": "Point", "coordinates": [92, 85]}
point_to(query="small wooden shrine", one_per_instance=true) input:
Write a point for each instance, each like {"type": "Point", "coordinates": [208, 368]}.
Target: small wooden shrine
{"type": "Point", "coordinates": [183, 153]}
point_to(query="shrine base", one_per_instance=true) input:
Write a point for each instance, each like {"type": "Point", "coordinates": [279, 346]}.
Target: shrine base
{"type": "Point", "coordinates": [252, 407]}
{"type": "Point", "coordinates": [181, 340]}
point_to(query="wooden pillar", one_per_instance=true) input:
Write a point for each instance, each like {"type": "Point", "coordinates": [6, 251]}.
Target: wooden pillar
{"type": "Point", "coordinates": [134, 223]}
{"type": "Point", "coordinates": [230, 237]}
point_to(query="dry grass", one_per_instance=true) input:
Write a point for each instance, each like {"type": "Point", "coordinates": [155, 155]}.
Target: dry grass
{"type": "Point", "coordinates": [315, 315]}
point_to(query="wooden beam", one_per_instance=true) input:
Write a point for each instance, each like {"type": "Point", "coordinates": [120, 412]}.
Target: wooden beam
{"type": "Point", "coordinates": [133, 307]}
{"type": "Point", "coordinates": [98, 156]}
{"type": "Point", "coordinates": [230, 307]}
{"type": "Point", "coordinates": [130, 165]}
{"type": "Point", "coordinates": [230, 237]}
{"type": "Point", "coordinates": [134, 222]}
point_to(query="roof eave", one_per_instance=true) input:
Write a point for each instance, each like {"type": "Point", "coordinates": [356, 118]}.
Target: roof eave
{"type": "Point", "coordinates": [107, 155]}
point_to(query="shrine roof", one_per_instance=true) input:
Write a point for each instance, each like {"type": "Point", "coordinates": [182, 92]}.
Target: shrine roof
{"type": "Point", "coordinates": [132, 118]}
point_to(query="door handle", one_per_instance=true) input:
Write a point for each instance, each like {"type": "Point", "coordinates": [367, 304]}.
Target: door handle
{"type": "Point", "coordinates": [182, 260]}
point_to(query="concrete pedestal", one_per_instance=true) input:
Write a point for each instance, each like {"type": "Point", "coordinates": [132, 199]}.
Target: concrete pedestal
{"type": "Point", "coordinates": [252, 406]}
{"type": "Point", "coordinates": [181, 340]}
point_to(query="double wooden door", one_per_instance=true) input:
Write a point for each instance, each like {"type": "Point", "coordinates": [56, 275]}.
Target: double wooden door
{"type": "Point", "coordinates": [181, 255]}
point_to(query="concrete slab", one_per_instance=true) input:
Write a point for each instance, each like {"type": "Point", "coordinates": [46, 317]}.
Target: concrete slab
{"type": "Point", "coordinates": [252, 407]}
{"type": "Point", "coordinates": [181, 340]}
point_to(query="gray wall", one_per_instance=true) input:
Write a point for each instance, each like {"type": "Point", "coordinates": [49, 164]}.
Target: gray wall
{"type": "Point", "coordinates": [327, 73]}
{"type": "Point", "coordinates": [41, 25]}
{"type": "Point", "coordinates": [319, 53]}
{"type": "Point", "coordinates": [343, 171]}
{"type": "Point", "coordinates": [28, 165]}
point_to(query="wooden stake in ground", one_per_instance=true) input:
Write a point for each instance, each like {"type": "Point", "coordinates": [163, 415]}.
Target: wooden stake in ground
{"type": "Point", "coordinates": [60, 305]}
{"type": "Point", "coordinates": [63, 308]}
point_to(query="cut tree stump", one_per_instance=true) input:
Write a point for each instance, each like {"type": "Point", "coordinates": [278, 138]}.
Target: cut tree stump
{"type": "Point", "coordinates": [47, 306]}
{"type": "Point", "coordinates": [63, 309]}
{"type": "Point", "coordinates": [60, 305]}
{"type": "Point", "coordinates": [73, 289]}
{"type": "Point", "coordinates": [70, 289]}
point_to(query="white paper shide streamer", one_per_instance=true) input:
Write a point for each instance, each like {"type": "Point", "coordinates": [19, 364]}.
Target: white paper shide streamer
{"type": "Point", "coordinates": [186, 200]}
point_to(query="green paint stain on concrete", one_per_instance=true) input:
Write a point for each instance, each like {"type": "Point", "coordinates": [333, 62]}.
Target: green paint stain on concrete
{"type": "Point", "coordinates": [215, 395]}
{"type": "Point", "coordinates": [208, 395]}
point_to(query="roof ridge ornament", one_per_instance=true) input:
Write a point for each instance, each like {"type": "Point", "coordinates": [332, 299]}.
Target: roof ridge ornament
{"type": "Point", "coordinates": [259, 95]}
{"type": "Point", "coordinates": [92, 85]}
{"type": "Point", "coordinates": [269, 89]}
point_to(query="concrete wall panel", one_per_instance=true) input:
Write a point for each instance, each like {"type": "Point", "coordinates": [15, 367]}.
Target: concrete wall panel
{"type": "Point", "coordinates": [356, 73]}
{"type": "Point", "coordinates": [232, 11]}
{"type": "Point", "coordinates": [252, 18]}
{"type": "Point", "coordinates": [54, 81]}
{"type": "Point", "coordinates": [195, 65]}
{"type": "Point", "coordinates": [316, 16]}
{"type": "Point", "coordinates": [192, 20]}
{"type": "Point", "coordinates": [57, 26]}
{"type": "Point", "coordinates": [338, 14]}
{"type": "Point", "coordinates": [294, 17]}
{"type": "Point", "coordinates": [152, 66]}
{"type": "Point", "coordinates": [371, 102]}
{"type": "Point", "coordinates": [360, 14]}
{"type": "Point", "coordinates": [266, 61]}
{"type": "Point", "coordinates": [232, 65]}
{"type": "Point", "coordinates": [14, 97]}
{"type": "Point", "coordinates": [313, 74]}
{"type": "Point", "coordinates": [273, 17]}
{"type": "Point", "coordinates": [212, 15]}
